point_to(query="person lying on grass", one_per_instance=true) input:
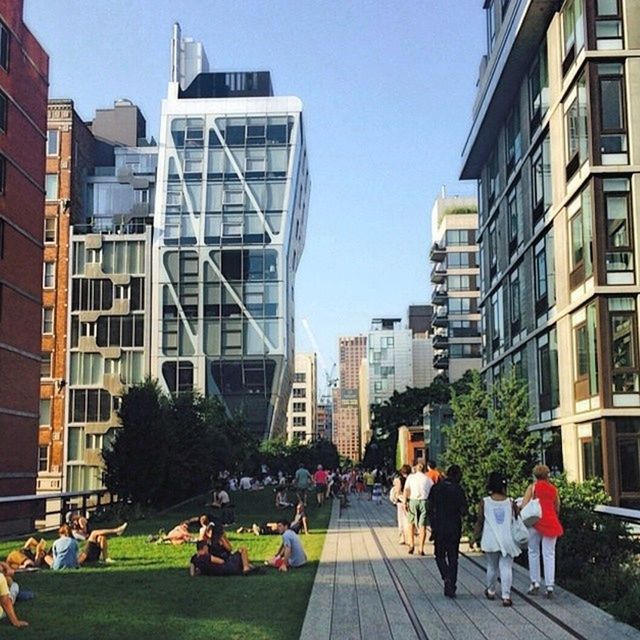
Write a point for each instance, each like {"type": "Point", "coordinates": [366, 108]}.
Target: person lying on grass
{"type": "Point", "coordinates": [178, 535]}
{"type": "Point", "coordinates": [66, 553]}
{"type": "Point", "coordinates": [291, 554]}
{"type": "Point", "coordinates": [204, 563]}
{"type": "Point", "coordinates": [32, 554]}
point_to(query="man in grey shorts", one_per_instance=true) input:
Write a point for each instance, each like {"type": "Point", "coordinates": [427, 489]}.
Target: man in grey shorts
{"type": "Point", "coordinates": [416, 493]}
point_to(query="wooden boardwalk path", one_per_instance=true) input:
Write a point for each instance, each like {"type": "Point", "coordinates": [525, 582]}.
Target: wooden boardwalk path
{"type": "Point", "coordinates": [368, 588]}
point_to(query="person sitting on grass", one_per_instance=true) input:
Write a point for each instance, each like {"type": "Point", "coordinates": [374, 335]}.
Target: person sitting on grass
{"type": "Point", "coordinates": [79, 525]}
{"type": "Point", "coordinates": [204, 563]}
{"type": "Point", "coordinates": [8, 594]}
{"type": "Point", "coordinates": [66, 552]}
{"type": "Point", "coordinates": [33, 554]}
{"type": "Point", "coordinates": [282, 498]}
{"type": "Point", "coordinates": [220, 498]}
{"type": "Point", "coordinates": [291, 554]}
{"type": "Point", "coordinates": [300, 522]}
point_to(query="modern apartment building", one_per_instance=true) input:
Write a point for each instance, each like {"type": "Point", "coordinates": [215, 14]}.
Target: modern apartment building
{"type": "Point", "coordinates": [302, 420]}
{"type": "Point", "coordinates": [346, 416]}
{"type": "Point", "coordinates": [229, 229]}
{"type": "Point", "coordinates": [24, 68]}
{"type": "Point", "coordinates": [555, 154]}
{"type": "Point", "coordinates": [420, 316]}
{"type": "Point", "coordinates": [422, 357]}
{"type": "Point", "coordinates": [324, 419]}
{"type": "Point", "coordinates": [455, 295]}
{"type": "Point", "coordinates": [389, 359]}
{"type": "Point", "coordinates": [69, 160]}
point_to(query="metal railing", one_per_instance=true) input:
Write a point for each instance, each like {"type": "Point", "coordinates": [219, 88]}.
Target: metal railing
{"type": "Point", "coordinates": [28, 513]}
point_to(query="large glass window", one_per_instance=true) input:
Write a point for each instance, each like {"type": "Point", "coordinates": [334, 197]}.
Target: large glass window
{"type": "Point", "coordinates": [53, 141]}
{"type": "Point", "coordinates": [4, 46]}
{"type": "Point", "coordinates": [49, 275]}
{"type": "Point", "coordinates": [494, 177]}
{"type": "Point", "coordinates": [541, 179]}
{"type": "Point", "coordinates": [586, 353]}
{"type": "Point", "coordinates": [617, 204]}
{"type": "Point", "coordinates": [609, 32]}
{"type": "Point", "coordinates": [613, 127]}
{"type": "Point", "coordinates": [513, 136]}
{"type": "Point", "coordinates": [548, 381]}
{"type": "Point", "coordinates": [51, 186]}
{"type": "Point", "coordinates": [47, 320]}
{"type": "Point", "coordinates": [576, 126]}
{"type": "Point", "coordinates": [45, 412]}
{"type": "Point", "coordinates": [624, 345]}
{"type": "Point", "coordinates": [581, 241]}
{"type": "Point", "coordinates": [545, 289]}
{"type": "Point", "coordinates": [573, 30]}
{"type": "Point", "coordinates": [515, 297]}
{"type": "Point", "coordinates": [539, 87]}
{"type": "Point", "coordinates": [515, 214]}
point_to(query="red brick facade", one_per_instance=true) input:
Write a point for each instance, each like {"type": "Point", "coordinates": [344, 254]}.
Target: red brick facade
{"type": "Point", "coordinates": [24, 85]}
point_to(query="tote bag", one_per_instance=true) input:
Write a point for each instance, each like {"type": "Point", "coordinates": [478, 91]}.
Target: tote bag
{"type": "Point", "coordinates": [532, 511]}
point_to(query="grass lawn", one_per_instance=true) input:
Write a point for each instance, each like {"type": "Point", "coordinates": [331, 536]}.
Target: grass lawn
{"type": "Point", "coordinates": [149, 594]}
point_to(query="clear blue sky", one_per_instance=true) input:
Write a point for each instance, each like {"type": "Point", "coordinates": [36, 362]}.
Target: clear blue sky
{"type": "Point", "coordinates": [387, 86]}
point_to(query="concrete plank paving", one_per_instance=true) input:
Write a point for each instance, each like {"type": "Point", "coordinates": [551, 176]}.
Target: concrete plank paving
{"type": "Point", "coordinates": [368, 588]}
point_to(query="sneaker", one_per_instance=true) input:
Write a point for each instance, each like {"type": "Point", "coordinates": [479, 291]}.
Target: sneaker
{"type": "Point", "coordinates": [109, 561]}
{"type": "Point", "coordinates": [489, 595]}
{"type": "Point", "coordinates": [534, 589]}
{"type": "Point", "coordinates": [255, 528]}
{"type": "Point", "coordinates": [507, 602]}
{"type": "Point", "coordinates": [122, 528]}
{"type": "Point", "coordinates": [549, 593]}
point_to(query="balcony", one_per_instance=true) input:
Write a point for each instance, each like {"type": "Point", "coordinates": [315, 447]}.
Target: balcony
{"type": "Point", "coordinates": [440, 341]}
{"type": "Point", "coordinates": [438, 273]}
{"type": "Point", "coordinates": [438, 253]}
{"type": "Point", "coordinates": [441, 361]}
{"type": "Point", "coordinates": [440, 319]}
{"type": "Point", "coordinates": [439, 296]}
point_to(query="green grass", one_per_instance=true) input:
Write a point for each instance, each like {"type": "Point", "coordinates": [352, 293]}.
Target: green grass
{"type": "Point", "coordinates": [149, 594]}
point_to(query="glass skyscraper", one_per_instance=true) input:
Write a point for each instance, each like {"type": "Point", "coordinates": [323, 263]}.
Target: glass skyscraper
{"type": "Point", "coordinates": [231, 211]}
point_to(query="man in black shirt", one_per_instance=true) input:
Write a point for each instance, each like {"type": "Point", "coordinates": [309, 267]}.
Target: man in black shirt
{"type": "Point", "coordinates": [447, 506]}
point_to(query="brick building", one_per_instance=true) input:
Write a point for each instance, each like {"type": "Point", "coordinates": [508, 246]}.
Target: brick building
{"type": "Point", "coordinates": [23, 115]}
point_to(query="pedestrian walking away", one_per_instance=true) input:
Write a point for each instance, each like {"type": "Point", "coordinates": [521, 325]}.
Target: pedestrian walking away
{"type": "Point", "coordinates": [496, 513]}
{"type": "Point", "coordinates": [416, 493]}
{"type": "Point", "coordinates": [545, 532]}
{"type": "Point", "coordinates": [447, 507]}
{"type": "Point", "coordinates": [396, 496]}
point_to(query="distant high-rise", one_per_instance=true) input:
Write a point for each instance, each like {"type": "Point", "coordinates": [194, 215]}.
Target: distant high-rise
{"type": "Point", "coordinates": [420, 316]}
{"type": "Point", "coordinates": [232, 208]}
{"type": "Point", "coordinates": [24, 69]}
{"type": "Point", "coordinates": [346, 417]}
{"type": "Point", "coordinates": [554, 148]}
{"type": "Point", "coordinates": [303, 403]}
{"type": "Point", "coordinates": [456, 292]}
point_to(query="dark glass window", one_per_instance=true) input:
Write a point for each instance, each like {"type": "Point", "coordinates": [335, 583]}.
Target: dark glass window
{"type": "Point", "coordinates": [539, 87]}
{"type": "Point", "coordinates": [235, 135]}
{"type": "Point", "coordinates": [609, 31]}
{"type": "Point", "coordinates": [576, 126]}
{"type": "Point", "coordinates": [624, 346]}
{"type": "Point", "coordinates": [513, 137]}
{"type": "Point", "coordinates": [613, 129]}
{"type": "Point", "coordinates": [619, 257]}
{"type": "Point", "coordinates": [5, 37]}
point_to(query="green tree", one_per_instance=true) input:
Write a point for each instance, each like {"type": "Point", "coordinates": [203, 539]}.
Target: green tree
{"type": "Point", "coordinates": [490, 433]}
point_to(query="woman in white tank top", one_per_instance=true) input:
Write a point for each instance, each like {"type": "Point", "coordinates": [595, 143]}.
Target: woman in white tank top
{"type": "Point", "coordinates": [495, 516]}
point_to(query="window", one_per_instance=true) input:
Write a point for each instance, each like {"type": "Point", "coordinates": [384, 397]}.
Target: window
{"type": "Point", "coordinates": [53, 140]}
{"type": "Point", "coordinates": [494, 177]}
{"type": "Point", "coordinates": [573, 29]}
{"type": "Point", "coordinates": [609, 33]}
{"type": "Point", "coordinates": [43, 458]}
{"type": "Point", "coordinates": [515, 298]}
{"type": "Point", "coordinates": [619, 256]}
{"type": "Point", "coordinates": [299, 392]}
{"type": "Point", "coordinates": [491, 26]}
{"type": "Point", "coordinates": [513, 136]}
{"type": "Point", "coordinates": [497, 320]}
{"type": "Point", "coordinates": [90, 405]}
{"type": "Point", "coordinates": [539, 87]}
{"type": "Point", "coordinates": [51, 186]}
{"type": "Point", "coordinates": [299, 421]}
{"type": "Point", "coordinates": [576, 128]}
{"type": "Point", "coordinates": [460, 237]}
{"type": "Point", "coordinates": [49, 230]}
{"type": "Point", "coordinates": [624, 345]}
{"type": "Point", "coordinates": [2, 232]}
{"type": "Point", "coordinates": [299, 407]}
{"type": "Point", "coordinates": [544, 274]}
{"type": "Point", "coordinates": [3, 173]}
{"type": "Point", "coordinates": [45, 412]}
{"type": "Point", "coordinates": [460, 306]}
{"type": "Point", "coordinates": [4, 109]}
{"type": "Point", "coordinates": [4, 46]}
{"type": "Point", "coordinates": [613, 128]}
{"type": "Point", "coordinates": [493, 250]}
{"type": "Point", "coordinates": [299, 377]}
{"type": "Point", "coordinates": [548, 381]}
{"type": "Point", "coordinates": [460, 260]}
{"type": "Point", "coordinates": [586, 353]}
{"type": "Point", "coordinates": [580, 234]}
{"type": "Point", "coordinates": [464, 351]}
{"type": "Point", "coordinates": [47, 320]}
{"type": "Point", "coordinates": [49, 275]}
{"type": "Point", "coordinates": [459, 283]}
{"type": "Point", "coordinates": [514, 216]}
{"type": "Point", "coordinates": [45, 366]}
{"type": "Point", "coordinates": [541, 180]}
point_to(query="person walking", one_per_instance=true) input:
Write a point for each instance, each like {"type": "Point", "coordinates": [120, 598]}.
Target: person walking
{"type": "Point", "coordinates": [496, 512]}
{"type": "Point", "coordinates": [396, 496]}
{"type": "Point", "coordinates": [302, 482]}
{"type": "Point", "coordinates": [447, 506]}
{"type": "Point", "coordinates": [321, 479]}
{"type": "Point", "coordinates": [545, 532]}
{"type": "Point", "coordinates": [416, 493]}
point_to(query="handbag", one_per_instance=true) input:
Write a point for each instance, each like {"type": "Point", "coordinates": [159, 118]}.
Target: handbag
{"type": "Point", "coordinates": [519, 532]}
{"type": "Point", "coordinates": [532, 511]}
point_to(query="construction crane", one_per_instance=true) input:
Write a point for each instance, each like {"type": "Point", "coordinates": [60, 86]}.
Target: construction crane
{"type": "Point", "coordinates": [330, 378]}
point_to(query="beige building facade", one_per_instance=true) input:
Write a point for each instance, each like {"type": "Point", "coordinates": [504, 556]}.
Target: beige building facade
{"type": "Point", "coordinates": [557, 158]}
{"type": "Point", "coordinates": [302, 419]}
